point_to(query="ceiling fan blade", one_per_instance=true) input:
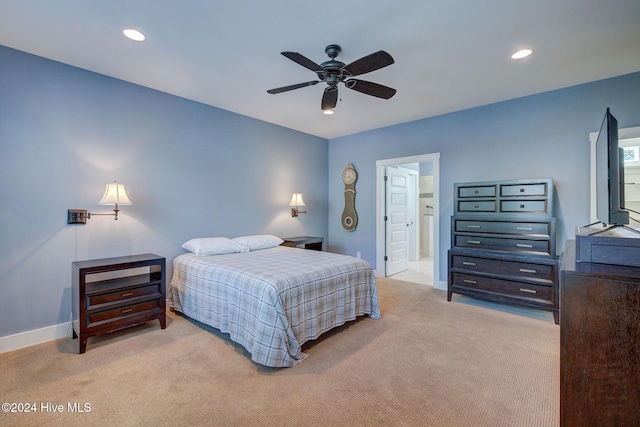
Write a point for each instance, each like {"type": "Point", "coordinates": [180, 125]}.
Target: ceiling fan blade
{"type": "Point", "coordinates": [329, 98]}
{"type": "Point", "coordinates": [304, 61]}
{"type": "Point", "coordinates": [370, 88]}
{"type": "Point", "coordinates": [292, 87]}
{"type": "Point", "coordinates": [366, 64]}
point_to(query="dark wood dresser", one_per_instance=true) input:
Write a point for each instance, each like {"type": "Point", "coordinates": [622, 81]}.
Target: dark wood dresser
{"type": "Point", "coordinates": [110, 294]}
{"type": "Point", "coordinates": [599, 343]}
{"type": "Point", "coordinates": [503, 243]}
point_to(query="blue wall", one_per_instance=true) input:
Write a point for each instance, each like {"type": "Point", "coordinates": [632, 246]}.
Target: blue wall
{"type": "Point", "coordinates": [544, 135]}
{"type": "Point", "coordinates": [191, 171]}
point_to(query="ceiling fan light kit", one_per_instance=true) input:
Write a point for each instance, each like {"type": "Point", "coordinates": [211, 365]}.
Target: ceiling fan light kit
{"type": "Point", "coordinates": [334, 72]}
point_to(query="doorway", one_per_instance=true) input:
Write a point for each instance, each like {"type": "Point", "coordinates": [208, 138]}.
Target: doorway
{"type": "Point", "coordinates": [426, 220]}
{"type": "Point", "coordinates": [631, 147]}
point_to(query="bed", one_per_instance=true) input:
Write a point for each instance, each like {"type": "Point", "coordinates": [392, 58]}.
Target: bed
{"type": "Point", "coordinates": [273, 300]}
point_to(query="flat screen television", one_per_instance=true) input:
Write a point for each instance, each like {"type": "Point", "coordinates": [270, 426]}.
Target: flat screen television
{"type": "Point", "coordinates": [610, 175]}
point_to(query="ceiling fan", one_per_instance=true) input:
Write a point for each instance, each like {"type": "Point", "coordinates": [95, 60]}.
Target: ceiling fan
{"type": "Point", "coordinates": [333, 72]}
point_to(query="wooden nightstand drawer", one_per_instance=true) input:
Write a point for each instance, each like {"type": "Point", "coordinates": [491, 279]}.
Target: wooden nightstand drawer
{"type": "Point", "coordinates": [101, 316]}
{"type": "Point", "coordinates": [122, 295]}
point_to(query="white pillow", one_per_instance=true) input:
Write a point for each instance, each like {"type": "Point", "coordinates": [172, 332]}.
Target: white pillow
{"type": "Point", "coordinates": [258, 241]}
{"type": "Point", "coordinates": [205, 246]}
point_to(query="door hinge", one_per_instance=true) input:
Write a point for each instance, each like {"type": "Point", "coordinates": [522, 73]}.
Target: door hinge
{"type": "Point", "coordinates": [385, 177]}
{"type": "Point", "coordinates": [385, 258]}
{"type": "Point", "coordinates": [385, 217]}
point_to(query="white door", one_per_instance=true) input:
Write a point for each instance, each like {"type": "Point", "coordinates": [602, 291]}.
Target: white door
{"type": "Point", "coordinates": [413, 213]}
{"type": "Point", "coordinates": [396, 220]}
{"type": "Point", "coordinates": [433, 161]}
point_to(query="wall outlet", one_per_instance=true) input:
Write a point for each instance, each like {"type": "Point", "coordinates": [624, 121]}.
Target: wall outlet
{"type": "Point", "coordinates": [358, 254]}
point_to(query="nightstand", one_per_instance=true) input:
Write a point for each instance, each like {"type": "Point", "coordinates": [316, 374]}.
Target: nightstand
{"type": "Point", "coordinates": [307, 242]}
{"type": "Point", "coordinates": [110, 294]}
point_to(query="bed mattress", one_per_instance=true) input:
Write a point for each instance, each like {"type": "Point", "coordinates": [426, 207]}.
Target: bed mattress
{"type": "Point", "coordinates": [272, 301]}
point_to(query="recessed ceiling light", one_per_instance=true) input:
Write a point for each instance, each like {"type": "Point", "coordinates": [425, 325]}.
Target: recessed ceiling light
{"type": "Point", "coordinates": [328, 112]}
{"type": "Point", "coordinates": [134, 35]}
{"type": "Point", "coordinates": [522, 54]}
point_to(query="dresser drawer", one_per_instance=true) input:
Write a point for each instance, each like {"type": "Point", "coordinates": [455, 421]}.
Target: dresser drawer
{"type": "Point", "coordinates": [541, 247]}
{"type": "Point", "coordinates": [110, 315]}
{"type": "Point", "coordinates": [477, 206]}
{"type": "Point", "coordinates": [537, 189]}
{"type": "Point", "coordinates": [502, 288]}
{"type": "Point", "coordinates": [477, 191]}
{"type": "Point", "coordinates": [122, 295]}
{"type": "Point", "coordinates": [502, 227]}
{"type": "Point", "coordinates": [538, 272]}
{"type": "Point", "coordinates": [524, 206]}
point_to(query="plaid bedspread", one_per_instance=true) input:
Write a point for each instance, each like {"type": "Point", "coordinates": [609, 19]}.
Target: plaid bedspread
{"type": "Point", "coordinates": [271, 301]}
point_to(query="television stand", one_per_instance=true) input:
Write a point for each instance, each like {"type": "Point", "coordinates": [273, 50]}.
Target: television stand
{"type": "Point", "coordinates": [599, 345]}
{"type": "Point", "coordinates": [610, 227]}
{"type": "Point", "coordinates": [617, 245]}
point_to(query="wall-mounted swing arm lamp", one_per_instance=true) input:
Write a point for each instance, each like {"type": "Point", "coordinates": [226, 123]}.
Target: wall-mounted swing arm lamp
{"type": "Point", "coordinates": [295, 203]}
{"type": "Point", "coordinates": [115, 194]}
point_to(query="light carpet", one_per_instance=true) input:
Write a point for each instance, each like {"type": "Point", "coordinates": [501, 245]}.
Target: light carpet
{"type": "Point", "coordinates": [426, 362]}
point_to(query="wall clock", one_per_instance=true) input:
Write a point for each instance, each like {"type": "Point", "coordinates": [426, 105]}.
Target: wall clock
{"type": "Point", "coordinates": [349, 215]}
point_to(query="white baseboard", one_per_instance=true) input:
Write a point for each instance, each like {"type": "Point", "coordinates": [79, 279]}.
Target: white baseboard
{"type": "Point", "coordinates": [440, 285]}
{"type": "Point", "coordinates": [36, 336]}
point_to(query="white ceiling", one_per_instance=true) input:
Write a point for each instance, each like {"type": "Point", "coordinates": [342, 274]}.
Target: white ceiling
{"type": "Point", "coordinates": [449, 54]}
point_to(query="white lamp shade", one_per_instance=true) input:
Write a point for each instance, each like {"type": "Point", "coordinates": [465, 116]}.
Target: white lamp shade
{"type": "Point", "coordinates": [115, 194]}
{"type": "Point", "coordinates": [296, 200]}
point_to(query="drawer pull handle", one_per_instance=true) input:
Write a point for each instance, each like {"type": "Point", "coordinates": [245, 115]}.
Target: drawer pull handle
{"type": "Point", "coordinates": [521, 206]}
{"type": "Point", "coordinates": [475, 242]}
{"type": "Point", "coordinates": [127, 294]}
{"type": "Point", "coordinates": [525, 228]}
{"type": "Point", "coordinates": [473, 282]}
{"type": "Point", "coordinates": [476, 191]}
{"type": "Point", "coordinates": [522, 190]}
{"type": "Point", "coordinates": [127, 310]}
{"type": "Point", "coordinates": [530, 291]}
{"type": "Point", "coordinates": [526, 270]}
{"type": "Point", "coordinates": [476, 206]}
{"type": "Point", "coordinates": [469, 263]}
{"type": "Point", "coordinates": [473, 226]}
{"type": "Point", "coordinates": [522, 245]}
